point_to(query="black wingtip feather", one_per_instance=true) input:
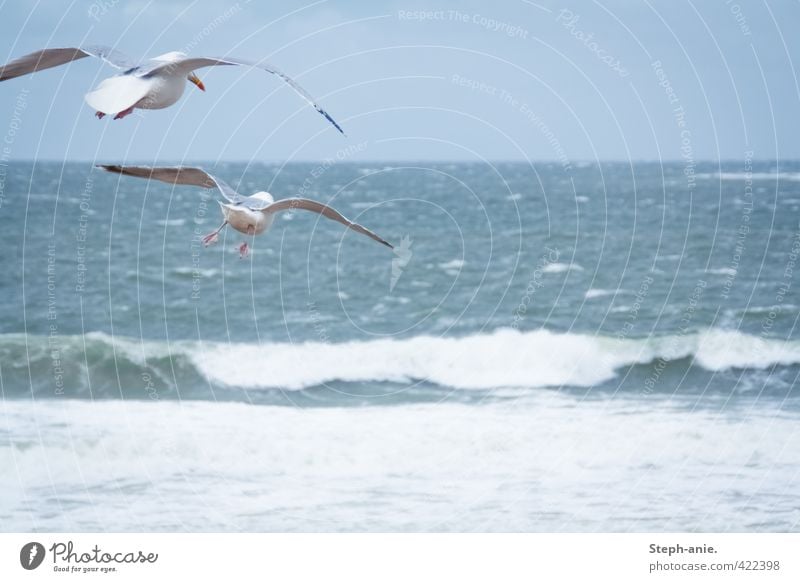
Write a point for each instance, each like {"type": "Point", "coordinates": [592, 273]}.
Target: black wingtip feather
{"type": "Point", "coordinates": [329, 118]}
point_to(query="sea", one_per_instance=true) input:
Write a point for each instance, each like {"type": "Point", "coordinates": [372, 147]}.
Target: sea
{"type": "Point", "coordinates": [550, 347]}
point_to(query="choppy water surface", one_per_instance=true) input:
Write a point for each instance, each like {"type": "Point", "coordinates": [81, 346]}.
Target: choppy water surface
{"type": "Point", "coordinates": [612, 348]}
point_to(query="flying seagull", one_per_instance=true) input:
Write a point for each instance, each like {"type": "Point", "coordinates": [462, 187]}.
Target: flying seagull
{"type": "Point", "coordinates": [154, 84]}
{"type": "Point", "coordinates": [250, 215]}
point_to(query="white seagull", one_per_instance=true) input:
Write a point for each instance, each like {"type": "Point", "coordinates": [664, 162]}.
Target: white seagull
{"type": "Point", "coordinates": [154, 84]}
{"type": "Point", "coordinates": [250, 215]}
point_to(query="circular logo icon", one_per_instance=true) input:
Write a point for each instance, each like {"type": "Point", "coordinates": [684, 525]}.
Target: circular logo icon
{"type": "Point", "coordinates": [31, 555]}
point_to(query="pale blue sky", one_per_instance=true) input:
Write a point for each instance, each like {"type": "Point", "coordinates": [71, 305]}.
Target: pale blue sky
{"type": "Point", "coordinates": [421, 80]}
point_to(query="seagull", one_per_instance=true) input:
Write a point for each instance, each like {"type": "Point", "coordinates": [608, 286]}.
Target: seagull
{"type": "Point", "coordinates": [250, 215]}
{"type": "Point", "coordinates": [154, 84]}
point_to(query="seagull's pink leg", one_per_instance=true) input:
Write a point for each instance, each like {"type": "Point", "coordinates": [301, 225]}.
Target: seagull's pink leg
{"type": "Point", "coordinates": [124, 113]}
{"type": "Point", "coordinates": [213, 237]}
{"type": "Point", "coordinates": [99, 114]}
{"type": "Point", "coordinates": [244, 248]}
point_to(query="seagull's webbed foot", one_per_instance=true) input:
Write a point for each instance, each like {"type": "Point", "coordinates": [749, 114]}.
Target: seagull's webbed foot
{"type": "Point", "coordinates": [244, 249]}
{"type": "Point", "coordinates": [213, 237]}
{"type": "Point", "coordinates": [124, 113]}
{"type": "Point", "coordinates": [210, 238]}
{"type": "Point", "coordinates": [99, 114]}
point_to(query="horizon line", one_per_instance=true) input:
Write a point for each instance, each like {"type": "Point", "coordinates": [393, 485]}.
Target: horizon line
{"type": "Point", "coordinates": [582, 162]}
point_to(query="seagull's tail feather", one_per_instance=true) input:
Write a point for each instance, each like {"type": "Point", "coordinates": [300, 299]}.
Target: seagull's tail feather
{"type": "Point", "coordinates": [117, 94]}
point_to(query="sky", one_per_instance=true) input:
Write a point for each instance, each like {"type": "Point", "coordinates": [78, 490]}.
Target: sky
{"type": "Point", "coordinates": [425, 80]}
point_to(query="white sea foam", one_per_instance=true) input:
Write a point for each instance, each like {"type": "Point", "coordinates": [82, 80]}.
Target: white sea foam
{"type": "Point", "coordinates": [216, 466]}
{"type": "Point", "coordinates": [171, 222]}
{"type": "Point", "coordinates": [789, 176]}
{"type": "Point", "coordinates": [592, 293]}
{"type": "Point", "coordinates": [452, 267]}
{"type": "Point", "coordinates": [206, 273]}
{"type": "Point", "coordinates": [505, 358]}
{"type": "Point", "coordinates": [561, 267]}
{"type": "Point", "coordinates": [766, 309]}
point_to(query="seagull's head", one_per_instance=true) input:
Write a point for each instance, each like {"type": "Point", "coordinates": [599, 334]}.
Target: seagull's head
{"type": "Point", "coordinates": [196, 81]}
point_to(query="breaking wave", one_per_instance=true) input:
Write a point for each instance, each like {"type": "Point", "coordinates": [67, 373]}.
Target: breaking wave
{"type": "Point", "coordinates": [99, 366]}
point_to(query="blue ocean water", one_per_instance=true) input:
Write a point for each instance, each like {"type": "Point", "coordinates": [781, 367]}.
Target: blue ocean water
{"type": "Point", "coordinates": [606, 347]}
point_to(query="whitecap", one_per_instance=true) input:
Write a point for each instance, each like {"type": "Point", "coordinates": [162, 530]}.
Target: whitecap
{"type": "Point", "coordinates": [789, 176]}
{"type": "Point", "coordinates": [552, 268]}
{"type": "Point", "coordinates": [452, 267]}
{"type": "Point", "coordinates": [505, 358]}
{"type": "Point", "coordinates": [592, 293]}
{"type": "Point", "coordinates": [171, 222]}
{"type": "Point", "coordinates": [196, 272]}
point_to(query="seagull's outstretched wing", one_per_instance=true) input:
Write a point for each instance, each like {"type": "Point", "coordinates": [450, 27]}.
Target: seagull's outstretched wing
{"type": "Point", "coordinates": [189, 64]}
{"type": "Point", "coordinates": [48, 58]}
{"type": "Point", "coordinates": [326, 211]}
{"type": "Point", "coordinates": [179, 175]}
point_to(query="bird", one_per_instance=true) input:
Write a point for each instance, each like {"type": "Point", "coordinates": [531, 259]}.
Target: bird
{"type": "Point", "coordinates": [155, 83]}
{"type": "Point", "coordinates": [250, 215]}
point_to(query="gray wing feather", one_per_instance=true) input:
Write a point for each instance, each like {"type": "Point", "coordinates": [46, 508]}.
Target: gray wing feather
{"type": "Point", "coordinates": [48, 58]}
{"type": "Point", "coordinates": [179, 175]}
{"type": "Point", "coordinates": [324, 210]}
{"type": "Point", "coordinates": [189, 64]}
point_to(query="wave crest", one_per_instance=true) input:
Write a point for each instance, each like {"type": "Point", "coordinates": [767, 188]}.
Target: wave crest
{"type": "Point", "coordinates": [97, 365]}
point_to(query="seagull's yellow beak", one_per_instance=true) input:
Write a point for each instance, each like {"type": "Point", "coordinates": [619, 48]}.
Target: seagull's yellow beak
{"type": "Point", "coordinates": [196, 80]}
